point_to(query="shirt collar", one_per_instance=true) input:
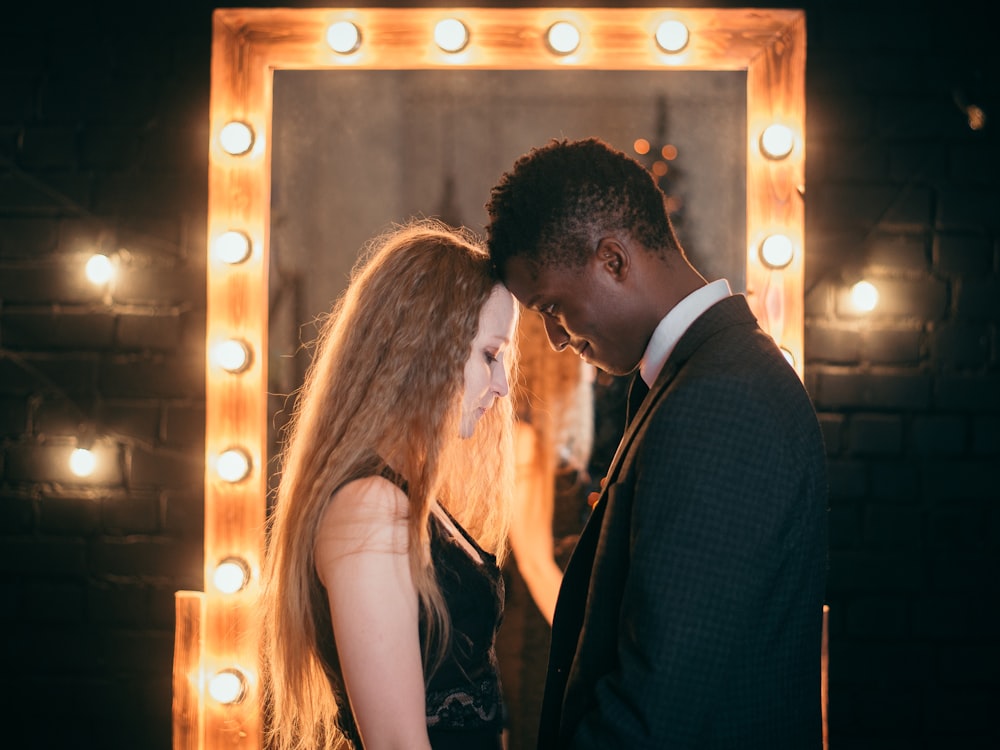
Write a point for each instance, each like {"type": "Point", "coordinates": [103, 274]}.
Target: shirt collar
{"type": "Point", "coordinates": [669, 330]}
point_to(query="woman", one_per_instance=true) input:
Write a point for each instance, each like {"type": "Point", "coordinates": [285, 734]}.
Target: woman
{"type": "Point", "coordinates": [382, 586]}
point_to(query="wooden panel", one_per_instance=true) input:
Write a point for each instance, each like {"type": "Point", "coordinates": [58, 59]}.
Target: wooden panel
{"type": "Point", "coordinates": [249, 44]}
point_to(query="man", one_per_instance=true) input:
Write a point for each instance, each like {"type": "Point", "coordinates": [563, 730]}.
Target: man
{"type": "Point", "coordinates": [690, 613]}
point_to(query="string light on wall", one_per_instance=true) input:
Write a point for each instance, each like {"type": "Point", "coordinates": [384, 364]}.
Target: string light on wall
{"type": "Point", "coordinates": [82, 462]}
{"type": "Point", "coordinates": [231, 575]}
{"type": "Point", "coordinates": [864, 296]}
{"type": "Point", "coordinates": [233, 465]}
{"type": "Point", "coordinates": [232, 247]}
{"type": "Point", "coordinates": [451, 35]}
{"type": "Point", "coordinates": [228, 686]}
{"type": "Point", "coordinates": [777, 141]}
{"type": "Point", "coordinates": [563, 38]}
{"type": "Point", "coordinates": [672, 36]}
{"type": "Point", "coordinates": [99, 269]}
{"type": "Point", "coordinates": [236, 138]}
{"type": "Point", "coordinates": [343, 37]}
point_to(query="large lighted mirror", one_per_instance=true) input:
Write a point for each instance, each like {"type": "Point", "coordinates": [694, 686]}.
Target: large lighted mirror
{"type": "Point", "coordinates": [319, 140]}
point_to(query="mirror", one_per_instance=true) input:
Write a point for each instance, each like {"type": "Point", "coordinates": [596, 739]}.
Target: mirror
{"type": "Point", "coordinates": [251, 49]}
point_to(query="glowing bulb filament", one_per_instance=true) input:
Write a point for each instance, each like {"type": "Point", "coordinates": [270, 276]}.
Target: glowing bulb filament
{"type": "Point", "coordinates": [236, 138]}
{"type": "Point", "coordinates": [233, 465]}
{"type": "Point", "coordinates": [563, 37]}
{"type": "Point", "coordinates": [231, 247]}
{"type": "Point", "coordinates": [99, 269]}
{"type": "Point", "coordinates": [82, 462]}
{"type": "Point", "coordinates": [228, 686]}
{"type": "Point", "coordinates": [672, 36]}
{"type": "Point", "coordinates": [451, 35]}
{"type": "Point", "coordinates": [343, 37]}
{"type": "Point", "coordinates": [231, 575]}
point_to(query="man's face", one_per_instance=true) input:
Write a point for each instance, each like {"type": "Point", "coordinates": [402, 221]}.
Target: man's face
{"type": "Point", "coordinates": [584, 308]}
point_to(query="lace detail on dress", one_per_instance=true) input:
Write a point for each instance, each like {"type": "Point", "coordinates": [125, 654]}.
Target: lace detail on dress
{"type": "Point", "coordinates": [478, 706]}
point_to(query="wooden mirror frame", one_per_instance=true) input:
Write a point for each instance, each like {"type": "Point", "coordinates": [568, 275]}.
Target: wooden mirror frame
{"type": "Point", "coordinates": [216, 630]}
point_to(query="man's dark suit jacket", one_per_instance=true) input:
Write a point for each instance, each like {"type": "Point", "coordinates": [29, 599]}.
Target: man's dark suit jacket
{"type": "Point", "coordinates": [690, 612]}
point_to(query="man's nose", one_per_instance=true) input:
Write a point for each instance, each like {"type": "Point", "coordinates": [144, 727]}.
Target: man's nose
{"type": "Point", "coordinates": [557, 335]}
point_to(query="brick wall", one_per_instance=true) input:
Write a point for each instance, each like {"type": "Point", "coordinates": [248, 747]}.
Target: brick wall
{"type": "Point", "coordinates": [103, 144]}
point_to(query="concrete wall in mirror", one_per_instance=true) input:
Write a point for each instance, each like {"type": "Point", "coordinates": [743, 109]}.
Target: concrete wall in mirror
{"type": "Point", "coordinates": [354, 151]}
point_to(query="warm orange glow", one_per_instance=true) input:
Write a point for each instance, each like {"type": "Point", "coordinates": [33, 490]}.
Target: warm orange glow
{"type": "Point", "coordinates": [641, 146]}
{"type": "Point", "coordinates": [669, 152]}
{"type": "Point", "coordinates": [250, 44]}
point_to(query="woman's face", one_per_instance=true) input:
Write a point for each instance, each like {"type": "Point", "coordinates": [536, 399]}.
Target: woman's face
{"type": "Point", "coordinates": [485, 372]}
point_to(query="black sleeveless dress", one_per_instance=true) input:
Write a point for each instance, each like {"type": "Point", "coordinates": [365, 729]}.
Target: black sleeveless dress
{"type": "Point", "coordinates": [464, 706]}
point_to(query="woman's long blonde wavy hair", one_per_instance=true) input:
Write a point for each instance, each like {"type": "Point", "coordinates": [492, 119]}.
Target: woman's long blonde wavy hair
{"type": "Point", "coordinates": [387, 379]}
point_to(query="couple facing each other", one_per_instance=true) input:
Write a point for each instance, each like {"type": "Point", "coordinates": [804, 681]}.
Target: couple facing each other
{"type": "Point", "coordinates": [690, 612]}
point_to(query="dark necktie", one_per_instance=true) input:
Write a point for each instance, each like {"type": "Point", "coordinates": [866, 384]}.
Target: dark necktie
{"type": "Point", "coordinates": [636, 393]}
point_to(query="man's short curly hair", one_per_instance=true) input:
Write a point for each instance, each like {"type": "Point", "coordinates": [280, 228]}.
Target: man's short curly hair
{"type": "Point", "coordinates": [551, 205]}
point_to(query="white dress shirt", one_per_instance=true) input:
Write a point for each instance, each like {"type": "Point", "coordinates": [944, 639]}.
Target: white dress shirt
{"type": "Point", "coordinates": [669, 330]}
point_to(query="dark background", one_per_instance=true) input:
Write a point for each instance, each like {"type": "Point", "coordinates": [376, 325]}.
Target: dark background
{"type": "Point", "coordinates": [103, 145]}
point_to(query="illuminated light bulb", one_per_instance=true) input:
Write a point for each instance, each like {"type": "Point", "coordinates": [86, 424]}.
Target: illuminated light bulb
{"type": "Point", "coordinates": [231, 247]}
{"type": "Point", "coordinates": [672, 36]}
{"type": "Point", "coordinates": [563, 37]}
{"type": "Point", "coordinates": [233, 465]}
{"type": "Point", "coordinates": [228, 686]}
{"type": "Point", "coordinates": [641, 146]}
{"type": "Point", "coordinates": [236, 138]}
{"type": "Point", "coordinates": [777, 141]}
{"type": "Point", "coordinates": [231, 575]}
{"type": "Point", "coordinates": [451, 35]}
{"type": "Point", "coordinates": [82, 462]}
{"type": "Point", "coordinates": [343, 37]}
{"type": "Point", "coordinates": [777, 251]}
{"type": "Point", "coordinates": [99, 269]}
{"type": "Point", "coordinates": [231, 355]}
{"type": "Point", "coordinates": [789, 357]}
{"type": "Point", "coordinates": [864, 296]}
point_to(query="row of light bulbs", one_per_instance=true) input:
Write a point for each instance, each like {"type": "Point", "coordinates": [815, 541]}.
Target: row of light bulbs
{"type": "Point", "coordinates": [451, 35]}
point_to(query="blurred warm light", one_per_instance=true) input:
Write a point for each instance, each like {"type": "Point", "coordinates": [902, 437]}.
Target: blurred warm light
{"type": "Point", "coordinates": [562, 37]}
{"type": "Point", "coordinates": [777, 251]}
{"type": "Point", "coordinates": [451, 35]}
{"type": "Point", "coordinates": [228, 686]}
{"type": "Point", "coordinates": [231, 575]}
{"type": "Point", "coordinates": [789, 357]}
{"type": "Point", "coordinates": [659, 168]}
{"type": "Point", "coordinates": [977, 117]}
{"type": "Point", "coordinates": [777, 141]}
{"type": "Point", "coordinates": [669, 152]}
{"type": "Point", "coordinates": [232, 355]}
{"type": "Point", "coordinates": [99, 269]}
{"type": "Point", "coordinates": [233, 465]}
{"type": "Point", "coordinates": [236, 138]}
{"type": "Point", "coordinates": [343, 37]}
{"type": "Point", "coordinates": [231, 247]}
{"type": "Point", "coordinates": [82, 462]}
{"type": "Point", "coordinates": [672, 36]}
{"type": "Point", "coordinates": [641, 146]}
{"type": "Point", "coordinates": [864, 296]}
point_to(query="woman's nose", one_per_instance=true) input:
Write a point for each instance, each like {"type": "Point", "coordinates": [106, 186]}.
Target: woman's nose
{"type": "Point", "coordinates": [558, 338]}
{"type": "Point", "coordinates": [500, 385]}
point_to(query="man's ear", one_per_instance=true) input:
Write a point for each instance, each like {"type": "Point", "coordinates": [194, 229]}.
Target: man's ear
{"type": "Point", "coordinates": [614, 258]}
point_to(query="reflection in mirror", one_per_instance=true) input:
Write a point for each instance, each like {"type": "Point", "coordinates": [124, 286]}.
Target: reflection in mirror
{"type": "Point", "coordinates": [253, 47]}
{"type": "Point", "coordinates": [354, 151]}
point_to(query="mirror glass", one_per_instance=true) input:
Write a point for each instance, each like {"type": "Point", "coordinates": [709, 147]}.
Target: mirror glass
{"type": "Point", "coordinates": [354, 151]}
